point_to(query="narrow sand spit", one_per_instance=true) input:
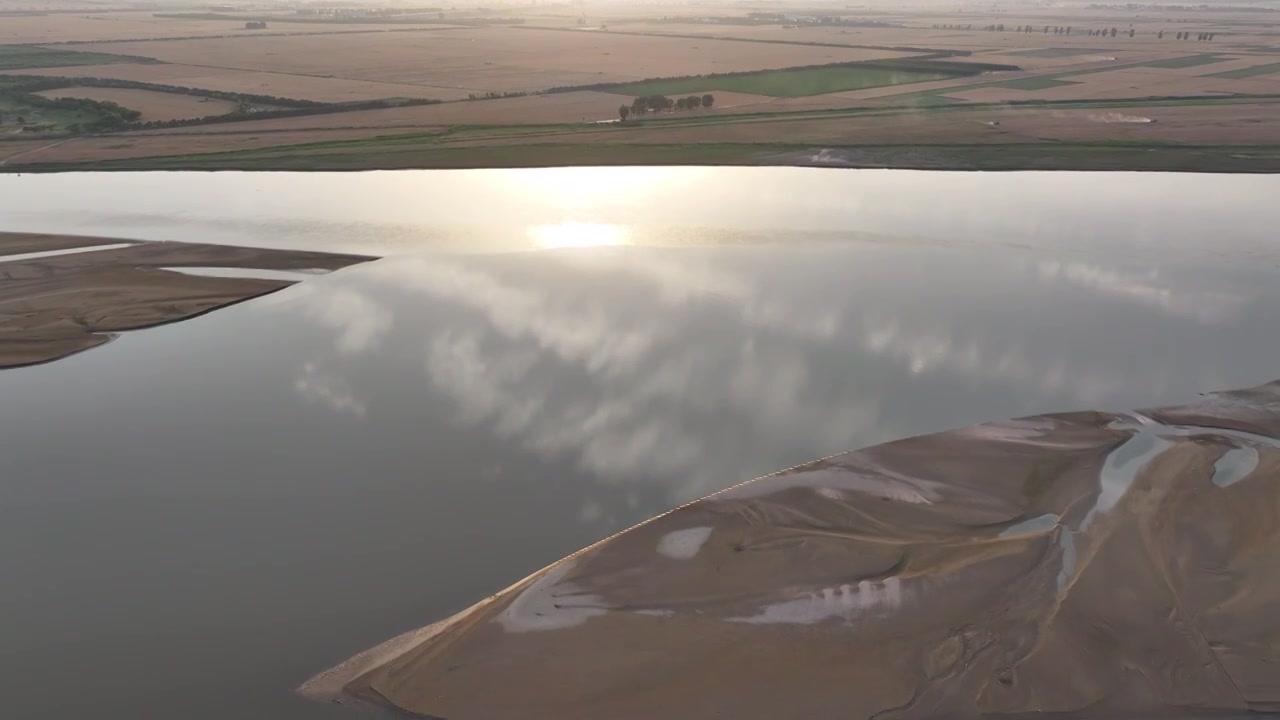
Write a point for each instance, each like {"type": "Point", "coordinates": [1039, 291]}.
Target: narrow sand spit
{"type": "Point", "coordinates": [1082, 562]}
{"type": "Point", "coordinates": [63, 294]}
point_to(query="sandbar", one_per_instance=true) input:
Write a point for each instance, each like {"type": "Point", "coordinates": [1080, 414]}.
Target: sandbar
{"type": "Point", "coordinates": [62, 294]}
{"type": "Point", "coordinates": [1087, 564]}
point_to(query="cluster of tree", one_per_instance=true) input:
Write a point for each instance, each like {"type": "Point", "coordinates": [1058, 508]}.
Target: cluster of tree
{"type": "Point", "coordinates": [662, 103]}
{"type": "Point", "coordinates": [1056, 30]}
{"type": "Point", "coordinates": [496, 95]}
{"type": "Point", "coordinates": [1193, 8]}
{"type": "Point", "coordinates": [256, 25]}
{"type": "Point", "coordinates": [36, 83]}
{"type": "Point", "coordinates": [772, 19]}
{"type": "Point", "coordinates": [361, 12]}
{"type": "Point", "coordinates": [94, 115]}
{"type": "Point", "coordinates": [955, 27]}
{"type": "Point", "coordinates": [109, 115]}
{"type": "Point", "coordinates": [98, 116]}
{"type": "Point", "coordinates": [29, 57]}
{"type": "Point", "coordinates": [246, 112]}
{"type": "Point", "coordinates": [1102, 32]}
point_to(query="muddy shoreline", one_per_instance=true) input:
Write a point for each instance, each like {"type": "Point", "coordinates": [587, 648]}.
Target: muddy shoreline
{"type": "Point", "coordinates": [1117, 157]}
{"type": "Point", "coordinates": [1088, 564]}
{"type": "Point", "coordinates": [55, 303]}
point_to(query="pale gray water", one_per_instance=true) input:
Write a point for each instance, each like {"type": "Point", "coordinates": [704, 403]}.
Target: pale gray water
{"type": "Point", "coordinates": [1127, 214]}
{"type": "Point", "coordinates": [1235, 465]}
{"type": "Point", "coordinates": [195, 518]}
{"type": "Point", "coordinates": [236, 272]}
{"type": "Point", "coordinates": [1037, 524]}
{"type": "Point", "coordinates": [15, 257]}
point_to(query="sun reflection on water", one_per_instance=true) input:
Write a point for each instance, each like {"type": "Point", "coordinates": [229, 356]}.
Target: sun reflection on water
{"type": "Point", "coordinates": [578, 234]}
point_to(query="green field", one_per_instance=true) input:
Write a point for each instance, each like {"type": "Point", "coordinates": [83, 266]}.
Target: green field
{"type": "Point", "coordinates": [1018, 156]}
{"type": "Point", "coordinates": [1248, 72]}
{"type": "Point", "coordinates": [1187, 61]}
{"type": "Point", "coordinates": [800, 82]}
{"type": "Point", "coordinates": [24, 57]}
{"type": "Point", "coordinates": [1042, 82]}
{"type": "Point", "coordinates": [1057, 52]}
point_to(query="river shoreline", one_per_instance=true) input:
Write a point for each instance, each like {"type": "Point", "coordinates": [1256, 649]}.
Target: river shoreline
{"type": "Point", "coordinates": [1004, 157]}
{"type": "Point", "coordinates": [64, 294]}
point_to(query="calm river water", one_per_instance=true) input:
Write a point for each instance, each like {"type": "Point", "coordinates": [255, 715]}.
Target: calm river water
{"type": "Point", "coordinates": [195, 518]}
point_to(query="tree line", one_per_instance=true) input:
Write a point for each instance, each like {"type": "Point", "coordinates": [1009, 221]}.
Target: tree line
{"type": "Point", "coordinates": [38, 83]}
{"type": "Point", "coordinates": [246, 112]}
{"type": "Point", "coordinates": [1145, 7]}
{"type": "Point", "coordinates": [18, 92]}
{"type": "Point", "coordinates": [110, 117]}
{"type": "Point", "coordinates": [662, 103]}
{"type": "Point", "coordinates": [97, 115]}
{"type": "Point", "coordinates": [1058, 30]}
{"type": "Point", "coordinates": [492, 95]}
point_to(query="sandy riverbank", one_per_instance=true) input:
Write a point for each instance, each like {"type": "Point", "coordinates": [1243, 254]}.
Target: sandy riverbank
{"type": "Point", "coordinates": [54, 305]}
{"type": "Point", "coordinates": [1084, 562]}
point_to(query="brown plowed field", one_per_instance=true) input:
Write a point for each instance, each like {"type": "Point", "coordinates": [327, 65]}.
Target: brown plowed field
{"type": "Point", "coordinates": [92, 26]}
{"type": "Point", "coordinates": [1245, 124]}
{"type": "Point", "coordinates": [489, 59]}
{"type": "Point", "coordinates": [917, 32]}
{"type": "Point", "coordinates": [529, 110]}
{"type": "Point", "coordinates": [300, 87]}
{"type": "Point", "coordinates": [153, 105]}
{"type": "Point", "coordinates": [570, 107]}
{"type": "Point", "coordinates": [119, 147]}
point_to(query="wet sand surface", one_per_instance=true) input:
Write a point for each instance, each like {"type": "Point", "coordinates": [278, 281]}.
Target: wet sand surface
{"type": "Point", "coordinates": [62, 294]}
{"type": "Point", "coordinates": [1095, 564]}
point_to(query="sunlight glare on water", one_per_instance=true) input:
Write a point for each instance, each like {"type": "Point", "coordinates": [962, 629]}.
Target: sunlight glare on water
{"type": "Point", "coordinates": [572, 234]}
{"type": "Point", "coordinates": [396, 212]}
{"type": "Point", "coordinates": [587, 189]}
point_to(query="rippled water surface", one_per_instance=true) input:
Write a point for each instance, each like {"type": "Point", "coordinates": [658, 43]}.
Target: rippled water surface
{"type": "Point", "coordinates": [195, 518]}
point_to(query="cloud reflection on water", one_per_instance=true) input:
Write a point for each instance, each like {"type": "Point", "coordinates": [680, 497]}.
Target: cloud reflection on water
{"type": "Point", "coordinates": [315, 384]}
{"type": "Point", "coordinates": [695, 368]}
{"type": "Point", "coordinates": [1145, 288]}
{"type": "Point", "coordinates": [360, 322]}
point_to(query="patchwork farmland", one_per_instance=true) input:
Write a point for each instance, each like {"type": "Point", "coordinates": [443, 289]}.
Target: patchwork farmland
{"type": "Point", "coordinates": [826, 75]}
